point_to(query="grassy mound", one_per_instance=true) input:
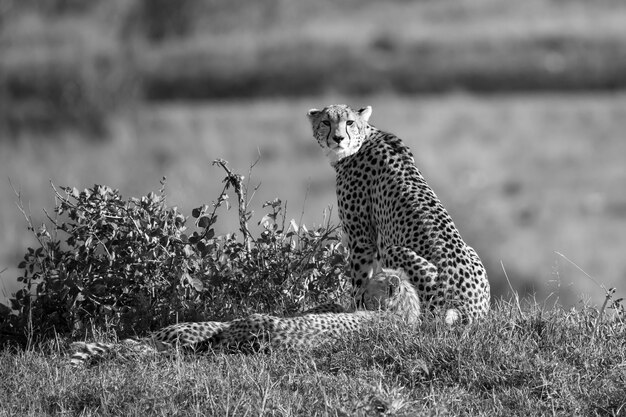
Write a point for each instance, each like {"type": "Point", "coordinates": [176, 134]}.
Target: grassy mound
{"type": "Point", "coordinates": [535, 362]}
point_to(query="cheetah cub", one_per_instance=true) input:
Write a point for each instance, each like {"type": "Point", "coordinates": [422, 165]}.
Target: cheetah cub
{"type": "Point", "coordinates": [390, 215]}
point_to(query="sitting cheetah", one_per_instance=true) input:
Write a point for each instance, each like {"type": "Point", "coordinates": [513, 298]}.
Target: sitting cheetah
{"type": "Point", "coordinates": [390, 215]}
{"type": "Point", "coordinates": [388, 290]}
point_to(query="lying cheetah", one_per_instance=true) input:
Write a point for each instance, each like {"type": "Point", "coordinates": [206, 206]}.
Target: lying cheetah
{"type": "Point", "coordinates": [388, 292]}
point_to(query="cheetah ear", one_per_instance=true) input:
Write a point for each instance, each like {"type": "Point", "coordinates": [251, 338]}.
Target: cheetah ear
{"type": "Point", "coordinates": [313, 113]}
{"type": "Point", "coordinates": [365, 113]}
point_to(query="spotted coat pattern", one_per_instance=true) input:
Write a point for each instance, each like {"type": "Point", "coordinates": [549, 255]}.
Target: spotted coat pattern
{"type": "Point", "coordinates": [389, 291]}
{"type": "Point", "coordinates": [390, 215]}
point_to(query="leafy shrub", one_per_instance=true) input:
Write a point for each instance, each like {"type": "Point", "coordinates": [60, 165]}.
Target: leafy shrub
{"type": "Point", "coordinates": [132, 265]}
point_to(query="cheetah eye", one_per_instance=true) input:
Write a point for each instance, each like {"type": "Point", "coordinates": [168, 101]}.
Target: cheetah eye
{"type": "Point", "coordinates": [350, 122]}
{"type": "Point", "coordinates": [326, 123]}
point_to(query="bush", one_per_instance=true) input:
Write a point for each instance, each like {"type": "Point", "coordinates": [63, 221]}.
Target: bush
{"type": "Point", "coordinates": [132, 265]}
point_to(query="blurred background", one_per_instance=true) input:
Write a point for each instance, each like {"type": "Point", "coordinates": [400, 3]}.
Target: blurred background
{"type": "Point", "coordinates": [515, 111]}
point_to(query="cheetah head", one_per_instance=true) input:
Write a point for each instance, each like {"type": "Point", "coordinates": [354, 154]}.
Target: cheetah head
{"type": "Point", "coordinates": [339, 130]}
{"type": "Point", "coordinates": [391, 290]}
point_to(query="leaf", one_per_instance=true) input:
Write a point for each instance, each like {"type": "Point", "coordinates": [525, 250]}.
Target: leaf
{"type": "Point", "coordinates": [204, 222]}
{"type": "Point", "coordinates": [186, 279]}
{"type": "Point", "coordinates": [197, 284]}
{"type": "Point", "coordinates": [15, 304]}
{"type": "Point", "coordinates": [206, 250]}
{"type": "Point", "coordinates": [294, 225]}
{"type": "Point", "coordinates": [265, 221]}
{"type": "Point", "coordinates": [195, 213]}
{"type": "Point", "coordinates": [188, 251]}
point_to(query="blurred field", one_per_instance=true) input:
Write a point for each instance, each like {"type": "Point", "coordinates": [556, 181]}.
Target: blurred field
{"type": "Point", "coordinates": [72, 63]}
{"type": "Point", "coordinates": [523, 175]}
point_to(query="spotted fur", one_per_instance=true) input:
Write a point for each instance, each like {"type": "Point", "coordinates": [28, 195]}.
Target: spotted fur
{"type": "Point", "coordinates": [388, 290]}
{"type": "Point", "coordinates": [390, 215]}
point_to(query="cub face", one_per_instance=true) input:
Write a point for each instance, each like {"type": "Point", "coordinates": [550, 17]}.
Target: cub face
{"type": "Point", "coordinates": [391, 290]}
{"type": "Point", "coordinates": [381, 289]}
{"type": "Point", "coordinates": [339, 130]}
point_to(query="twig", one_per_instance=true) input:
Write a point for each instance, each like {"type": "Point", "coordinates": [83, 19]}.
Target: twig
{"type": "Point", "coordinates": [609, 295]}
{"type": "Point", "coordinates": [282, 226]}
{"type": "Point", "coordinates": [580, 269]}
{"type": "Point", "coordinates": [318, 242]}
{"type": "Point", "coordinates": [29, 219]}
{"type": "Point", "coordinates": [53, 221]}
{"type": "Point", "coordinates": [236, 181]}
{"type": "Point", "coordinates": [306, 196]}
{"type": "Point", "coordinates": [58, 195]}
{"type": "Point", "coordinates": [251, 196]}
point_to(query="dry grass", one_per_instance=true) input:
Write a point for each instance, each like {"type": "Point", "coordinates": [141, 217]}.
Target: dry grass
{"type": "Point", "coordinates": [535, 363]}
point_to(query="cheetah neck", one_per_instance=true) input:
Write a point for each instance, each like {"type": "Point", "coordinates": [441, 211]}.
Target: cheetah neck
{"type": "Point", "coordinates": [336, 156]}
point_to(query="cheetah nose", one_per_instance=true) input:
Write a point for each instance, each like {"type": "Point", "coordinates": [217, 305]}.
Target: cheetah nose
{"type": "Point", "coordinates": [337, 139]}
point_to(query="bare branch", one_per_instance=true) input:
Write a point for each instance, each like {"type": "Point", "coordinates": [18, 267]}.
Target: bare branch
{"type": "Point", "coordinates": [237, 182]}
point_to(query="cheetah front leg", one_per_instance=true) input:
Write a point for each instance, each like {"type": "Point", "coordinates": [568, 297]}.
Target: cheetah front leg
{"type": "Point", "coordinates": [424, 276]}
{"type": "Point", "coordinates": [363, 263]}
